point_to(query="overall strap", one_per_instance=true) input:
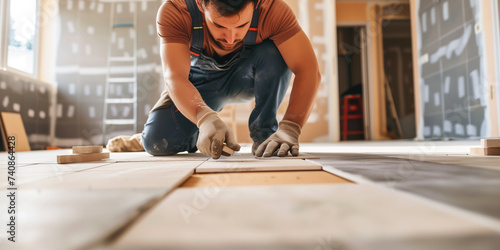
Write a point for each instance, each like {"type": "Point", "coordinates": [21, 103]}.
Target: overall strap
{"type": "Point", "coordinates": [197, 33]}
{"type": "Point", "coordinates": [251, 35]}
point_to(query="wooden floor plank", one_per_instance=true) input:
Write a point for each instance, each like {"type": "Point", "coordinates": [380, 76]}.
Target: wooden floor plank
{"type": "Point", "coordinates": [300, 217]}
{"type": "Point", "coordinates": [145, 157]}
{"type": "Point", "coordinates": [252, 166]}
{"type": "Point", "coordinates": [121, 176]}
{"type": "Point", "coordinates": [36, 172]}
{"type": "Point", "coordinates": [60, 220]}
{"type": "Point", "coordinates": [87, 149]}
{"type": "Point", "coordinates": [244, 157]}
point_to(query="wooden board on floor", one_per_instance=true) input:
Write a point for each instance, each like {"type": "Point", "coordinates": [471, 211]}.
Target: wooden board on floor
{"type": "Point", "coordinates": [239, 157]}
{"type": "Point", "coordinates": [298, 217]}
{"type": "Point", "coordinates": [145, 157]}
{"type": "Point", "coordinates": [121, 176]}
{"type": "Point", "coordinates": [75, 219]}
{"type": "Point", "coordinates": [490, 143]}
{"type": "Point", "coordinates": [261, 178]}
{"type": "Point", "coordinates": [37, 172]}
{"type": "Point", "coordinates": [14, 126]}
{"type": "Point", "coordinates": [484, 151]}
{"type": "Point", "coordinates": [76, 158]}
{"type": "Point", "coordinates": [36, 156]}
{"type": "Point", "coordinates": [87, 149]}
{"type": "Point", "coordinates": [253, 166]}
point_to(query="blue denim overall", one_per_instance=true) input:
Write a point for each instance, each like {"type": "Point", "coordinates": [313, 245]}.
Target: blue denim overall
{"type": "Point", "coordinates": [257, 71]}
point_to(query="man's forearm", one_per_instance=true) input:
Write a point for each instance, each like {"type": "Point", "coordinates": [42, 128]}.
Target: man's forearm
{"type": "Point", "coordinates": [305, 87]}
{"type": "Point", "coordinates": [186, 98]}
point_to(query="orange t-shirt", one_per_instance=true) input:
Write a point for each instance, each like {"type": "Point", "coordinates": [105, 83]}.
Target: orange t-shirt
{"type": "Point", "coordinates": [276, 22]}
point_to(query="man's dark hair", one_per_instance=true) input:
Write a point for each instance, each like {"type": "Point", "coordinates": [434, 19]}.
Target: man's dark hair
{"type": "Point", "coordinates": [228, 7]}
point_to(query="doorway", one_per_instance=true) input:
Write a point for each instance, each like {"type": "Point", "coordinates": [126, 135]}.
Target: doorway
{"type": "Point", "coordinates": [352, 67]}
{"type": "Point", "coordinates": [398, 69]}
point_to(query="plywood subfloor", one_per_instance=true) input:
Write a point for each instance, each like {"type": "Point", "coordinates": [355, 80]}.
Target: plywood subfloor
{"type": "Point", "coordinates": [262, 179]}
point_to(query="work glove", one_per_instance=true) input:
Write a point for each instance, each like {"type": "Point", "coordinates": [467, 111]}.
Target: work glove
{"type": "Point", "coordinates": [213, 133]}
{"type": "Point", "coordinates": [255, 146]}
{"type": "Point", "coordinates": [285, 139]}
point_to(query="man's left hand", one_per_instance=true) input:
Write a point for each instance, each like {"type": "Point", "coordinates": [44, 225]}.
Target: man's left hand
{"type": "Point", "coordinates": [285, 139]}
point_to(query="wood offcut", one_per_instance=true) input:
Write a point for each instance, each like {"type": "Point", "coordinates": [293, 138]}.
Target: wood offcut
{"type": "Point", "coordinates": [63, 159]}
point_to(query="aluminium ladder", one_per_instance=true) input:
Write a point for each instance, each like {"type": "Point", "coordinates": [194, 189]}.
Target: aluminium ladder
{"type": "Point", "coordinates": [112, 78]}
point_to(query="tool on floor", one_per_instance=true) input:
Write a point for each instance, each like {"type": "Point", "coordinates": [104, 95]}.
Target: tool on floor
{"type": "Point", "coordinates": [488, 147]}
{"type": "Point", "coordinates": [83, 154]}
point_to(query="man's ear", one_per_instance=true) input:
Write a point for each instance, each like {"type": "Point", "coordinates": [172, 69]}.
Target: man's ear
{"type": "Point", "coordinates": [199, 6]}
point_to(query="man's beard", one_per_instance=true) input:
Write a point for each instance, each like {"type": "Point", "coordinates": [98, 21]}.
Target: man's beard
{"type": "Point", "coordinates": [221, 42]}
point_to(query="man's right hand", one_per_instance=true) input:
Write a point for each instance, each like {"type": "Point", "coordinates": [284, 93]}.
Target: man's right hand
{"type": "Point", "coordinates": [213, 133]}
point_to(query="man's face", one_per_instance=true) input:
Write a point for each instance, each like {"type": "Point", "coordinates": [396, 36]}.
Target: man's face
{"type": "Point", "coordinates": [229, 31]}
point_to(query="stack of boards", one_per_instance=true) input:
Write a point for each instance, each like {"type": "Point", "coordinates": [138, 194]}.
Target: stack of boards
{"type": "Point", "coordinates": [83, 154]}
{"type": "Point", "coordinates": [488, 147]}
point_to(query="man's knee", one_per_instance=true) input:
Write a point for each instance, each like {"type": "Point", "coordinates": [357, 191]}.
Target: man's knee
{"type": "Point", "coordinates": [158, 146]}
{"type": "Point", "coordinates": [271, 58]}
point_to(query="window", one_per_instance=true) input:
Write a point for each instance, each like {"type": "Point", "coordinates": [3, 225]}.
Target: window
{"type": "Point", "coordinates": [20, 32]}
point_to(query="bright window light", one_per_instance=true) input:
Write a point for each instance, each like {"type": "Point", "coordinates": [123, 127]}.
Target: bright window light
{"type": "Point", "coordinates": [22, 32]}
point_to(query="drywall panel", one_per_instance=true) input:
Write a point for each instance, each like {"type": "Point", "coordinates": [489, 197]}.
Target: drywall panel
{"type": "Point", "coordinates": [85, 40]}
{"type": "Point", "coordinates": [453, 69]}
{"type": "Point", "coordinates": [32, 100]}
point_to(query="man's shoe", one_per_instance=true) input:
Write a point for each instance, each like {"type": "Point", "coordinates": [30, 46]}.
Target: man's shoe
{"type": "Point", "coordinates": [125, 143]}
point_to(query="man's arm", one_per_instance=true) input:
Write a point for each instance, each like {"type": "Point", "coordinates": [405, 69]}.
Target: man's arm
{"type": "Point", "coordinates": [213, 131]}
{"type": "Point", "coordinates": [176, 66]}
{"type": "Point", "coordinates": [300, 58]}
